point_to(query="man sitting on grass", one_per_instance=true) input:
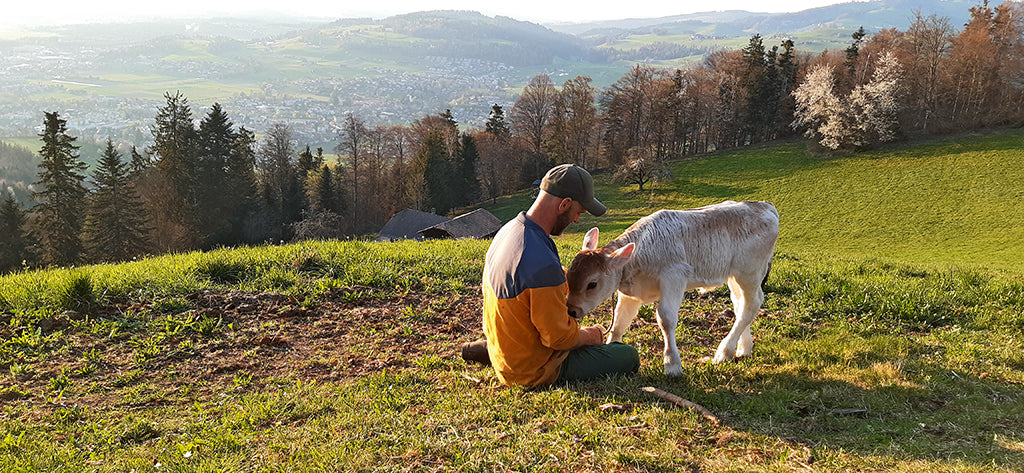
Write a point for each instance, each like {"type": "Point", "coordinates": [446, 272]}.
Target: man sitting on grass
{"type": "Point", "coordinates": [530, 338]}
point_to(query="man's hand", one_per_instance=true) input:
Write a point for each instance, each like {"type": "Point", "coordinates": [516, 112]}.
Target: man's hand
{"type": "Point", "coordinates": [592, 335]}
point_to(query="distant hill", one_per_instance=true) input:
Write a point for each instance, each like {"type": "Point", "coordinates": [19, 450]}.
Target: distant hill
{"type": "Point", "coordinates": [108, 79]}
{"type": "Point", "coordinates": [872, 15]}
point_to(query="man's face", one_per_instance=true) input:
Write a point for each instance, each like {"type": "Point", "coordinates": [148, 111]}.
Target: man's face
{"type": "Point", "coordinates": [570, 215]}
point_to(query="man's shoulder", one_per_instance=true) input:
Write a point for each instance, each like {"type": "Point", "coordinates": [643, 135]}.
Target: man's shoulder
{"type": "Point", "coordinates": [521, 258]}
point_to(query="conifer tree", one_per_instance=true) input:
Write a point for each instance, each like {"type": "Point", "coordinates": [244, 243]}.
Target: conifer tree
{"type": "Point", "coordinates": [465, 185]}
{"type": "Point", "coordinates": [325, 191]}
{"type": "Point", "coordinates": [116, 225]}
{"type": "Point", "coordinates": [432, 163]}
{"type": "Point", "coordinates": [60, 201]}
{"type": "Point", "coordinates": [14, 242]}
{"type": "Point", "coordinates": [242, 186]}
{"type": "Point", "coordinates": [496, 124]}
{"type": "Point", "coordinates": [176, 207]}
{"type": "Point", "coordinates": [138, 162]}
{"type": "Point", "coordinates": [215, 202]}
{"type": "Point", "coordinates": [309, 162]}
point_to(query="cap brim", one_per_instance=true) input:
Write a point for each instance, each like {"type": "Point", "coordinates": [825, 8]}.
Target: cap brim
{"type": "Point", "coordinates": [595, 207]}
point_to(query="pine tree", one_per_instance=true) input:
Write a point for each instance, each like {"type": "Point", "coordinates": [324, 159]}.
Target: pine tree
{"type": "Point", "coordinates": [466, 186]}
{"type": "Point", "coordinates": [496, 124]}
{"type": "Point", "coordinates": [14, 244]}
{"type": "Point", "coordinates": [116, 226]}
{"type": "Point", "coordinates": [58, 212]}
{"type": "Point", "coordinates": [433, 164]}
{"type": "Point", "coordinates": [215, 202]}
{"type": "Point", "coordinates": [324, 191]}
{"type": "Point", "coordinates": [309, 162]}
{"type": "Point", "coordinates": [138, 162]}
{"type": "Point", "coordinates": [243, 187]}
{"type": "Point", "coordinates": [176, 208]}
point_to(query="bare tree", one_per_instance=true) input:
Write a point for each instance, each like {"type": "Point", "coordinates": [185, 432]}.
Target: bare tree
{"type": "Point", "coordinates": [350, 149]}
{"type": "Point", "coordinates": [530, 116]}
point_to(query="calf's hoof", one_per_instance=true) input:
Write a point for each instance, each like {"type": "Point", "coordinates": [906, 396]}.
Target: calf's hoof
{"type": "Point", "coordinates": [674, 371]}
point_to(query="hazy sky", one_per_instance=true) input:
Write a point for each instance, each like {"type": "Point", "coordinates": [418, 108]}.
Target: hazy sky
{"type": "Point", "coordinates": [25, 12]}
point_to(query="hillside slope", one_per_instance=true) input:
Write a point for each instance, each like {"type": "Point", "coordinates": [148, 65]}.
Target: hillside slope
{"type": "Point", "coordinates": [941, 204]}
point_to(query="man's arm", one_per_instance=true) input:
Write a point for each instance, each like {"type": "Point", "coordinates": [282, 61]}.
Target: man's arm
{"type": "Point", "coordinates": [592, 335]}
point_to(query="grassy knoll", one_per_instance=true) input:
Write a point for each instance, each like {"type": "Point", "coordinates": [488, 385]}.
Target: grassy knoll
{"type": "Point", "coordinates": [892, 355]}
{"type": "Point", "coordinates": [941, 204]}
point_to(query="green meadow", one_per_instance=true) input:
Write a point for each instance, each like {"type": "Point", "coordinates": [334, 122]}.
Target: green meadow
{"type": "Point", "coordinates": [889, 341]}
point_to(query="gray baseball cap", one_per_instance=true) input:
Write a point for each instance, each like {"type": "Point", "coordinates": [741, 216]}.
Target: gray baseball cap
{"type": "Point", "coordinates": [574, 182]}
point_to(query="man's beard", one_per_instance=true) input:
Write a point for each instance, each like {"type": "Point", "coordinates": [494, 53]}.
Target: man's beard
{"type": "Point", "coordinates": [562, 221]}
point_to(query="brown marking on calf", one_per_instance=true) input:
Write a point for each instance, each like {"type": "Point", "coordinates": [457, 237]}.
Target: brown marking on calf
{"type": "Point", "coordinates": [586, 263]}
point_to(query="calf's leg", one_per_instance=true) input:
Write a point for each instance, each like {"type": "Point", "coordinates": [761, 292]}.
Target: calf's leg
{"type": "Point", "coordinates": [668, 320]}
{"type": "Point", "coordinates": [626, 309]}
{"type": "Point", "coordinates": [747, 297]}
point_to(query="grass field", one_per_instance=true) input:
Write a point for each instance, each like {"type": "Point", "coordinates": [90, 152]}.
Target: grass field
{"type": "Point", "coordinates": [890, 340]}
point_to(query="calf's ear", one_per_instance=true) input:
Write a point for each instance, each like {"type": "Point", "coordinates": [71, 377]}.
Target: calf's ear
{"type": "Point", "coordinates": [621, 256]}
{"type": "Point", "coordinates": [590, 240]}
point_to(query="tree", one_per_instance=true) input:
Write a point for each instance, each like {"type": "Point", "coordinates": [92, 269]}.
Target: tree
{"type": "Point", "coordinates": [926, 44]}
{"type": "Point", "coordinates": [573, 123]}
{"type": "Point", "coordinates": [852, 53]}
{"type": "Point", "coordinates": [242, 183]}
{"type": "Point", "coordinates": [866, 116]}
{"type": "Point", "coordinates": [216, 204]}
{"type": "Point", "coordinates": [433, 165]}
{"type": "Point", "coordinates": [14, 244]}
{"type": "Point", "coordinates": [530, 117]}
{"type": "Point", "coordinates": [115, 227]}
{"type": "Point", "coordinates": [877, 103]}
{"type": "Point", "coordinates": [641, 171]}
{"type": "Point", "coordinates": [173, 194]}
{"type": "Point", "coordinates": [309, 162]}
{"type": "Point", "coordinates": [465, 185]}
{"type": "Point", "coordinates": [624, 120]}
{"type": "Point", "coordinates": [818, 110]}
{"type": "Point", "coordinates": [981, 84]}
{"type": "Point", "coordinates": [280, 181]}
{"type": "Point", "coordinates": [352, 145]}
{"type": "Point", "coordinates": [496, 124]}
{"type": "Point", "coordinates": [59, 211]}
{"type": "Point", "coordinates": [138, 162]}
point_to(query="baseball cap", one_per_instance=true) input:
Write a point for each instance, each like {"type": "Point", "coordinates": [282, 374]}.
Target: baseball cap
{"type": "Point", "coordinates": [574, 182]}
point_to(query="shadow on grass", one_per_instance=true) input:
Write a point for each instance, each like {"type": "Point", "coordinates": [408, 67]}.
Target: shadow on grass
{"type": "Point", "coordinates": [936, 414]}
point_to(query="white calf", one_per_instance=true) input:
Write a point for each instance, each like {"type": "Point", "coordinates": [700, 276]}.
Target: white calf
{"type": "Point", "coordinates": [666, 253]}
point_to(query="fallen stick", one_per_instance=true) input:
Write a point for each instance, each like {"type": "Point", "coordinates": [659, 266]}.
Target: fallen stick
{"type": "Point", "coordinates": [683, 403]}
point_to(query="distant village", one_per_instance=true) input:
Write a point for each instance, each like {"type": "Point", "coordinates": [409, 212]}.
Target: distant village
{"type": "Point", "coordinates": [467, 87]}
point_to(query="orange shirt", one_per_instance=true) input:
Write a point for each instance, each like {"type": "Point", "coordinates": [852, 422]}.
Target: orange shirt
{"type": "Point", "coordinates": [525, 318]}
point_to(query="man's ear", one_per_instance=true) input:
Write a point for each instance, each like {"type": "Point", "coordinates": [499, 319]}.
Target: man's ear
{"type": "Point", "coordinates": [564, 204]}
{"type": "Point", "coordinates": [622, 255]}
{"type": "Point", "coordinates": [590, 239]}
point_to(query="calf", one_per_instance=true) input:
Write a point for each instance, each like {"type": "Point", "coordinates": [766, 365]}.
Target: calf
{"type": "Point", "coordinates": [666, 253]}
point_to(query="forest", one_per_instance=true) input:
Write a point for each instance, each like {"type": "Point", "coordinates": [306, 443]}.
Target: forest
{"type": "Point", "coordinates": [207, 182]}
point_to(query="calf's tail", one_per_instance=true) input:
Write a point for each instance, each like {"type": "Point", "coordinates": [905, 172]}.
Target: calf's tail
{"type": "Point", "coordinates": [766, 273]}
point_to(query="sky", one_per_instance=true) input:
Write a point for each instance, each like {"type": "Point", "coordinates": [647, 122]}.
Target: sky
{"type": "Point", "coordinates": [26, 13]}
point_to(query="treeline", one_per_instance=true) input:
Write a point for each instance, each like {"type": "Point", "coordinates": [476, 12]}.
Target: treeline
{"type": "Point", "coordinates": [206, 182]}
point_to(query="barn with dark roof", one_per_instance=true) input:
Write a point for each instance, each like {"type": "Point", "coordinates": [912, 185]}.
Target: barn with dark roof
{"type": "Point", "coordinates": [406, 224]}
{"type": "Point", "coordinates": [476, 224]}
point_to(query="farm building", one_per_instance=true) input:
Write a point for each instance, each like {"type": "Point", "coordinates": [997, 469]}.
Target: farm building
{"type": "Point", "coordinates": [476, 224]}
{"type": "Point", "coordinates": [406, 224]}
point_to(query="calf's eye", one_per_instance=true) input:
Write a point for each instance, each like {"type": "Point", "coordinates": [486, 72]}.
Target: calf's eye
{"type": "Point", "coordinates": [592, 285]}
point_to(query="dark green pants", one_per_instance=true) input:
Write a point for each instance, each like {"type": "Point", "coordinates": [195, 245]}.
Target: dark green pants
{"type": "Point", "coordinates": [595, 361]}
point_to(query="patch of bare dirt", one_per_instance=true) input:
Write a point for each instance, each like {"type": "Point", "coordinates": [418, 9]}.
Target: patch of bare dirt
{"type": "Point", "coordinates": [257, 339]}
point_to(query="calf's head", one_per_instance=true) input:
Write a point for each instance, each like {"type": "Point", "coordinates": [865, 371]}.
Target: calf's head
{"type": "Point", "coordinates": [594, 274]}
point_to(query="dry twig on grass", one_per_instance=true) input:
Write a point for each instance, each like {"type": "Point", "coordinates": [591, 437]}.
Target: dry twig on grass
{"type": "Point", "coordinates": [683, 403]}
